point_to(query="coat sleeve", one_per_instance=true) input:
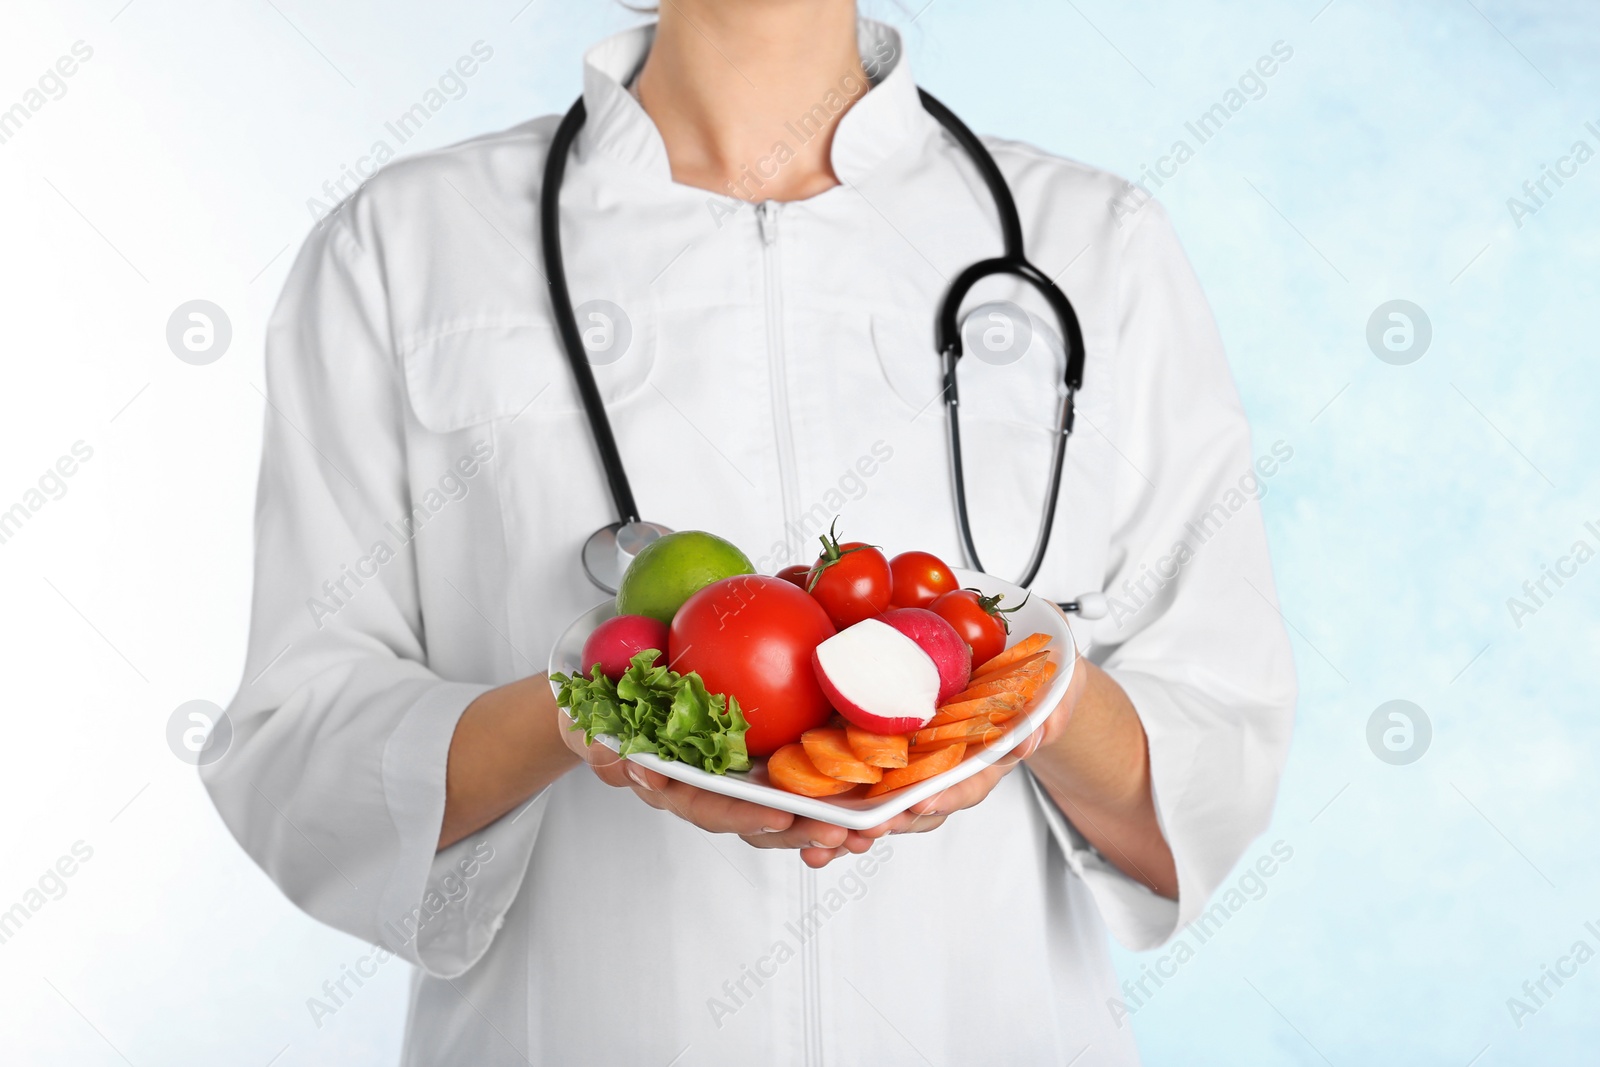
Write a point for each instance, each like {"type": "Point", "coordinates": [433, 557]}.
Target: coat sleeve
{"type": "Point", "coordinates": [1193, 634]}
{"type": "Point", "coordinates": [334, 778]}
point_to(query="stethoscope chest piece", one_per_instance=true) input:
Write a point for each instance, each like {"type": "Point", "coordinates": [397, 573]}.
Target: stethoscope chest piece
{"type": "Point", "coordinates": [610, 549]}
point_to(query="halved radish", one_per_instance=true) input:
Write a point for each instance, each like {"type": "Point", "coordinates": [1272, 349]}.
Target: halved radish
{"type": "Point", "coordinates": [877, 677]}
{"type": "Point", "coordinates": [950, 654]}
{"type": "Point", "coordinates": [877, 673]}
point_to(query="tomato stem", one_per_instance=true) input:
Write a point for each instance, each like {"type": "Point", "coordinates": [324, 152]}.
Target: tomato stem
{"type": "Point", "coordinates": [991, 606]}
{"type": "Point", "coordinates": [831, 554]}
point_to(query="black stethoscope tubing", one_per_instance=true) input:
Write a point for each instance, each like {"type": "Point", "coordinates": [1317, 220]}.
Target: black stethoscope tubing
{"type": "Point", "coordinates": [947, 328]}
{"type": "Point", "coordinates": [555, 169]}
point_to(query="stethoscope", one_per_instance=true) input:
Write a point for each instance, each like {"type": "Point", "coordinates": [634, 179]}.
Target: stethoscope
{"type": "Point", "coordinates": [609, 549]}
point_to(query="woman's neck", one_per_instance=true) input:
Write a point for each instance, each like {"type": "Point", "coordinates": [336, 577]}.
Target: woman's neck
{"type": "Point", "coordinates": [747, 93]}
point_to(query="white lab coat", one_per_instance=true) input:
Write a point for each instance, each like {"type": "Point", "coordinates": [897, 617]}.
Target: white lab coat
{"type": "Point", "coordinates": [428, 481]}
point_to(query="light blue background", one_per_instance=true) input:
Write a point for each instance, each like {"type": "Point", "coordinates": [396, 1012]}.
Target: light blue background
{"type": "Point", "coordinates": [1419, 498]}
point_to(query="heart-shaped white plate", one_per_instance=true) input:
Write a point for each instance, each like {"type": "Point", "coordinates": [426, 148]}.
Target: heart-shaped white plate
{"type": "Point", "coordinates": [853, 810]}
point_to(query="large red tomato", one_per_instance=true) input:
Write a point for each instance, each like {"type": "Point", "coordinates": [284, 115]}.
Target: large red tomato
{"type": "Point", "coordinates": [979, 619]}
{"type": "Point", "coordinates": [851, 581]}
{"type": "Point", "coordinates": [920, 578]}
{"type": "Point", "coordinates": [751, 637]}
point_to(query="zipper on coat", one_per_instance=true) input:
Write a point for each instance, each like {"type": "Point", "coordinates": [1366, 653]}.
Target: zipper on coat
{"type": "Point", "coordinates": [788, 484]}
{"type": "Point", "coordinates": [810, 970]}
{"type": "Point", "coordinates": [777, 369]}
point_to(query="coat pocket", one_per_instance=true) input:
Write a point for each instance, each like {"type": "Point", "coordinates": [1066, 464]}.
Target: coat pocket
{"type": "Point", "coordinates": [477, 374]}
{"type": "Point", "coordinates": [1023, 389]}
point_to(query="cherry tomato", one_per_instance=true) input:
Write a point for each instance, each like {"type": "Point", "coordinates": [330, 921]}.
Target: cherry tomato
{"type": "Point", "coordinates": [851, 581]}
{"type": "Point", "coordinates": [752, 637]}
{"type": "Point", "coordinates": [920, 578]}
{"type": "Point", "coordinates": [979, 619]}
{"type": "Point", "coordinates": [799, 574]}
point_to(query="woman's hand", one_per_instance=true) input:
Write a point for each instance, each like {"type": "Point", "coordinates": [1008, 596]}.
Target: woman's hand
{"type": "Point", "coordinates": [760, 826]}
{"type": "Point", "coordinates": [1093, 759]}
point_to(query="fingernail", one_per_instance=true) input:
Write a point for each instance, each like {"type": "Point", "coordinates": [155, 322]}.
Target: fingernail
{"type": "Point", "coordinates": [638, 778]}
{"type": "Point", "coordinates": [819, 844]}
{"type": "Point", "coordinates": [774, 829]}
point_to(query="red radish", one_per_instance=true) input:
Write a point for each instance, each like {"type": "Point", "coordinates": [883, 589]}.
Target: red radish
{"type": "Point", "coordinates": [615, 642]}
{"type": "Point", "coordinates": [889, 674]}
{"type": "Point", "coordinates": [940, 641]}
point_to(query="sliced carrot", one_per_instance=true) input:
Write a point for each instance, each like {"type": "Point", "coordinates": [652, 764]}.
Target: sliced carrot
{"type": "Point", "coordinates": [979, 739]}
{"type": "Point", "coordinates": [792, 770]}
{"type": "Point", "coordinates": [830, 753]}
{"type": "Point", "coordinates": [989, 741]}
{"type": "Point", "coordinates": [1030, 686]}
{"type": "Point", "coordinates": [1006, 683]}
{"type": "Point", "coordinates": [1024, 680]}
{"type": "Point", "coordinates": [1004, 705]}
{"type": "Point", "coordinates": [976, 726]}
{"type": "Point", "coordinates": [1015, 667]}
{"type": "Point", "coordinates": [878, 750]}
{"type": "Point", "coordinates": [1020, 651]}
{"type": "Point", "coordinates": [918, 769]}
{"type": "Point", "coordinates": [964, 730]}
{"type": "Point", "coordinates": [990, 735]}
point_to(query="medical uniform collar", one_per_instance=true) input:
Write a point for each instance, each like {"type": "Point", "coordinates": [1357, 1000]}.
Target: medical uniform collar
{"type": "Point", "coordinates": [876, 127]}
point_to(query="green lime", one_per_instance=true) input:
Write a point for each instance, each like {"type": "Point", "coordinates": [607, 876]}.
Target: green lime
{"type": "Point", "coordinates": [671, 569]}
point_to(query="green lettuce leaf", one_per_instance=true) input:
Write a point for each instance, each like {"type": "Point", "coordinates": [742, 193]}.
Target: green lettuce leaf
{"type": "Point", "coordinates": [656, 710]}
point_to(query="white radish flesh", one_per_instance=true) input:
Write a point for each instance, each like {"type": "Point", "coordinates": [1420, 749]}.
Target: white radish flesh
{"type": "Point", "coordinates": [881, 671]}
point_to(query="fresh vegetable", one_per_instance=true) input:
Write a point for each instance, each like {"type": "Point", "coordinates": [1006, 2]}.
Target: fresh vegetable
{"type": "Point", "coordinates": [890, 674]}
{"type": "Point", "coordinates": [615, 642]}
{"type": "Point", "coordinates": [799, 574]}
{"type": "Point", "coordinates": [878, 677]}
{"type": "Point", "coordinates": [752, 637]}
{"type": "Point", "coordinates": [931, 737]}
{"type": "Point", "coordinates": [831, 754]}
{"type": "Point", "coordinates": [1028, 646]}
{"type": "Point", "coordinates": [672, 568]}
{"type": "Point", "coordinates": [979, 619]}
{"type": "Point", "coordinates": [710, 664]}
{"type": "Point", "coordinates": [940, 641]}
{"type": "Point", "coordinates": [980, 740]}
{"type": "Point", "coordinates": [919, 769]}
{"type": "Point", "coordinates": [877, 750]}
{"type": "Point", "coordinates": [791, 769]}
{"type": "Point", "coordinates": [657, 710]}
{"type": "Point", "coordinates": [994, 709]}
{"type": "Point", "coordinates": [1024, 663]}
{"type": "Point", "coordinates": [1025, 681]}
{"type": "Point", "coordinates": [978, 718]}
{"type": "Point", "coordinates": [851, 581]}
{"type": "Point", "coordinates": [919, 579]}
